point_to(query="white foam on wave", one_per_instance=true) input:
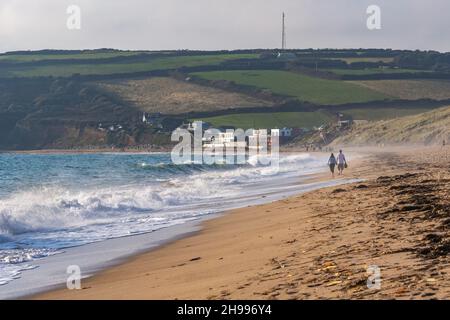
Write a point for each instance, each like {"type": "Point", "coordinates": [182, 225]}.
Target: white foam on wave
{"type": "Point", "coordinates": [47, 208]}
{"type": "Point", "coordinates": [53, 217]}
{"type": "Point", "coordinates": [14, 261]}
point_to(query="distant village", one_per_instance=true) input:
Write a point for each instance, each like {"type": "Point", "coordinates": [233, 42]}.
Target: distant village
{"type": "Point", "coordinates": [258, 139]}
{"type": "Point", "coordinates": [225, 137]}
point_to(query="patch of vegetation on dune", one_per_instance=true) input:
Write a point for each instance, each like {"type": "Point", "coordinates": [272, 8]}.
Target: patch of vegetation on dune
{"type": "Point", "coordinates": [426, 128]}
{"type": "Point", "coordinates": [270, 120]}
{"type": "Point", "coordinates": [299, 86]}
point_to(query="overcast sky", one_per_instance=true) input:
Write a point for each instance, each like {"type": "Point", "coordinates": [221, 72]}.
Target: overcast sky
{"type": "Point", "coordinates": [223, 24]}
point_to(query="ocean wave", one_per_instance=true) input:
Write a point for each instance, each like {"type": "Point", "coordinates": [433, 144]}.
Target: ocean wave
{"type": "Point", "coordinates": [54, 208]}
{"type": "Point", "coordinates": [4, 238]}
{"type": "Point", "coordinates": [18, 256]}
{"type": "Point", "coordinates": [14, 261]}
{"type": "Point", "coordinates": [127, 196]}
{"type": "Point", "coordinates": [46, 208]}
{"type": "Point", "coordinates": [250, 161]}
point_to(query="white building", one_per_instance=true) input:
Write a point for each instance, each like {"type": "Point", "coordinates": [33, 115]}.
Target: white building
{"type": "Point", "coordinates": [259, 132]}
{"type": "Point", "coordinates": [220, 140]}
{"type": "Point", "coordinates": [258, 139]}
{"type": "Point", "coordinates": [275, 132]}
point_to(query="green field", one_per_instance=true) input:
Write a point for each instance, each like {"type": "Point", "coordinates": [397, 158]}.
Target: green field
{"type": "Point", "coordinates": [270, 120]}
{"type": "Point", "coordinates": [302, 87]}
{"type": "Point", "coordinates": [410, 89]}
{"type": "Point", "coordinates": [365, 59]}
{"type": "Point", "coordinates": [65, 56]}
{"type": "Point", "coordinates": [305, 119]}
{"type": "Point", "coordinates": [376, 114]}
{"type": "Point", "coordinates": [124, 67]}
{"type": "Point", "coordinates": [368, 71]}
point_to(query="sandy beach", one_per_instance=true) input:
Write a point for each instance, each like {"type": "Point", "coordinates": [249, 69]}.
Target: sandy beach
{"type": "Point", "coordinates": [317, 245]}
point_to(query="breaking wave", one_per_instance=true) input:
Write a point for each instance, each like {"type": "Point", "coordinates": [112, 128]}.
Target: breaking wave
{"type": "Point", "coordinates": [90, 200]}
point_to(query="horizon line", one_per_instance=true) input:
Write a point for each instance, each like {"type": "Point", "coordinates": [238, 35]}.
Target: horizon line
{"type": "Point", "coordinates": [217, 50]}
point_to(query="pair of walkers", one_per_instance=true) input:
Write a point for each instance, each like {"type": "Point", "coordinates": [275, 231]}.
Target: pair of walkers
{"type": "Point", "coordinates": [340, 161]}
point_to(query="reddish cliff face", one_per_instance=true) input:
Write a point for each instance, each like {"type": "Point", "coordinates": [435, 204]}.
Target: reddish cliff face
{"type": "Point", "coordinates": [39, 136]}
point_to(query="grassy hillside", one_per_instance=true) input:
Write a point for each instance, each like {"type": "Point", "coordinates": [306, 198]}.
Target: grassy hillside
{"type": "Point", "coordinates": [366, 59]}
{"type": "Point", "coordinates": [369, 71]}
{"type": "Point", "coordinates": [67, 111]}
{"type": "Point", "coordinates": [172, 96]}
{"type": "Point", "coordinates": [270, 120]}
{"type": "Point", "coordinates": [376, 114]}
{"type": "Point", "coordinates": [302, 87]}
{"type": "Point", "coordinates": [427, 128]}
{"type": "Point", "coordinates": [104, 68]}
{"type": "Point", "coordinates": [87, 55]}
{"type": "Point", "coordinates": [410, 89]}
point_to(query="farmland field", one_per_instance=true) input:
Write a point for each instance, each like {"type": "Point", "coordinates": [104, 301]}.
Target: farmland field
{"type": "Point", "coordinates": [302, 87]}
{"type": "Point", "coordinates": [365, 59]}
{"type": "Point", "coordinates": [171, 96]}
{"type": "Point", "coordinates": [375, 114]}
{"type": "Point", "coordinates": [410, 89]}
{"type": "Point", "coordinates": [65, 56]}
{"type": "Point", "coordinates": [368, 71]}
{"type": "Point", "coordinates": [113, 68]}
{"type": "Point", "coordinates": [270, 120]}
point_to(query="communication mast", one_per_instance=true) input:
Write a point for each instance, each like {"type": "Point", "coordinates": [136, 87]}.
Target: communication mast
{"type": "Point", "coordinates": [283, 36]}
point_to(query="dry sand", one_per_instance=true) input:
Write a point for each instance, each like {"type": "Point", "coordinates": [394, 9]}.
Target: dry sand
{"type": "Point", "coordinates": [312, 246]}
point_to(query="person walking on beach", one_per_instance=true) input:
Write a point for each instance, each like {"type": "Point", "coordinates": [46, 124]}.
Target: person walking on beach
{"type": "Point", "coordinates": [332, 163]}
{"type": "Point", "coordinates": [342, 162]}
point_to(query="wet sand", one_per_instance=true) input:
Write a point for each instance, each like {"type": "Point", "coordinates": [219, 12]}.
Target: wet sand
{"type": "Point", "coordinates": [318, 245]}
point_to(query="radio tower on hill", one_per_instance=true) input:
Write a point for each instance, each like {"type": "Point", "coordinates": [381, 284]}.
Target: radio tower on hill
{"type": "Point", "coordinates": [283, 35]}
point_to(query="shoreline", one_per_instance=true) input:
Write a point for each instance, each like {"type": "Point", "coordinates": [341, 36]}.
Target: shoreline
{"type": "Point", "coordinates": [316, 245]}
{"type": "Point", "coordinates": [130, 247]}
{"type": "Point", "coordinates": [85, 151]}
{"type": "Point", "coordinates": [43, 268]}
{"type": "Point", "coordinates": [283, 149]}
{"type": "Point", "coordinates": [169, 235]}
{"type": "Point", "coordinates": [113, 252]}
{"type": "Point", "coordinates": [202, 225]}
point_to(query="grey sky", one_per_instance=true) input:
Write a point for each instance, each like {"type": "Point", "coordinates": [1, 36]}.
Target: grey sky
{"type": "Point", "coordinates": [223, 24]}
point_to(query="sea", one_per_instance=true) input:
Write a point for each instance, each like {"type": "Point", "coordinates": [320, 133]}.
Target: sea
{"type": "Point", "coordinates": [52, 202]}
